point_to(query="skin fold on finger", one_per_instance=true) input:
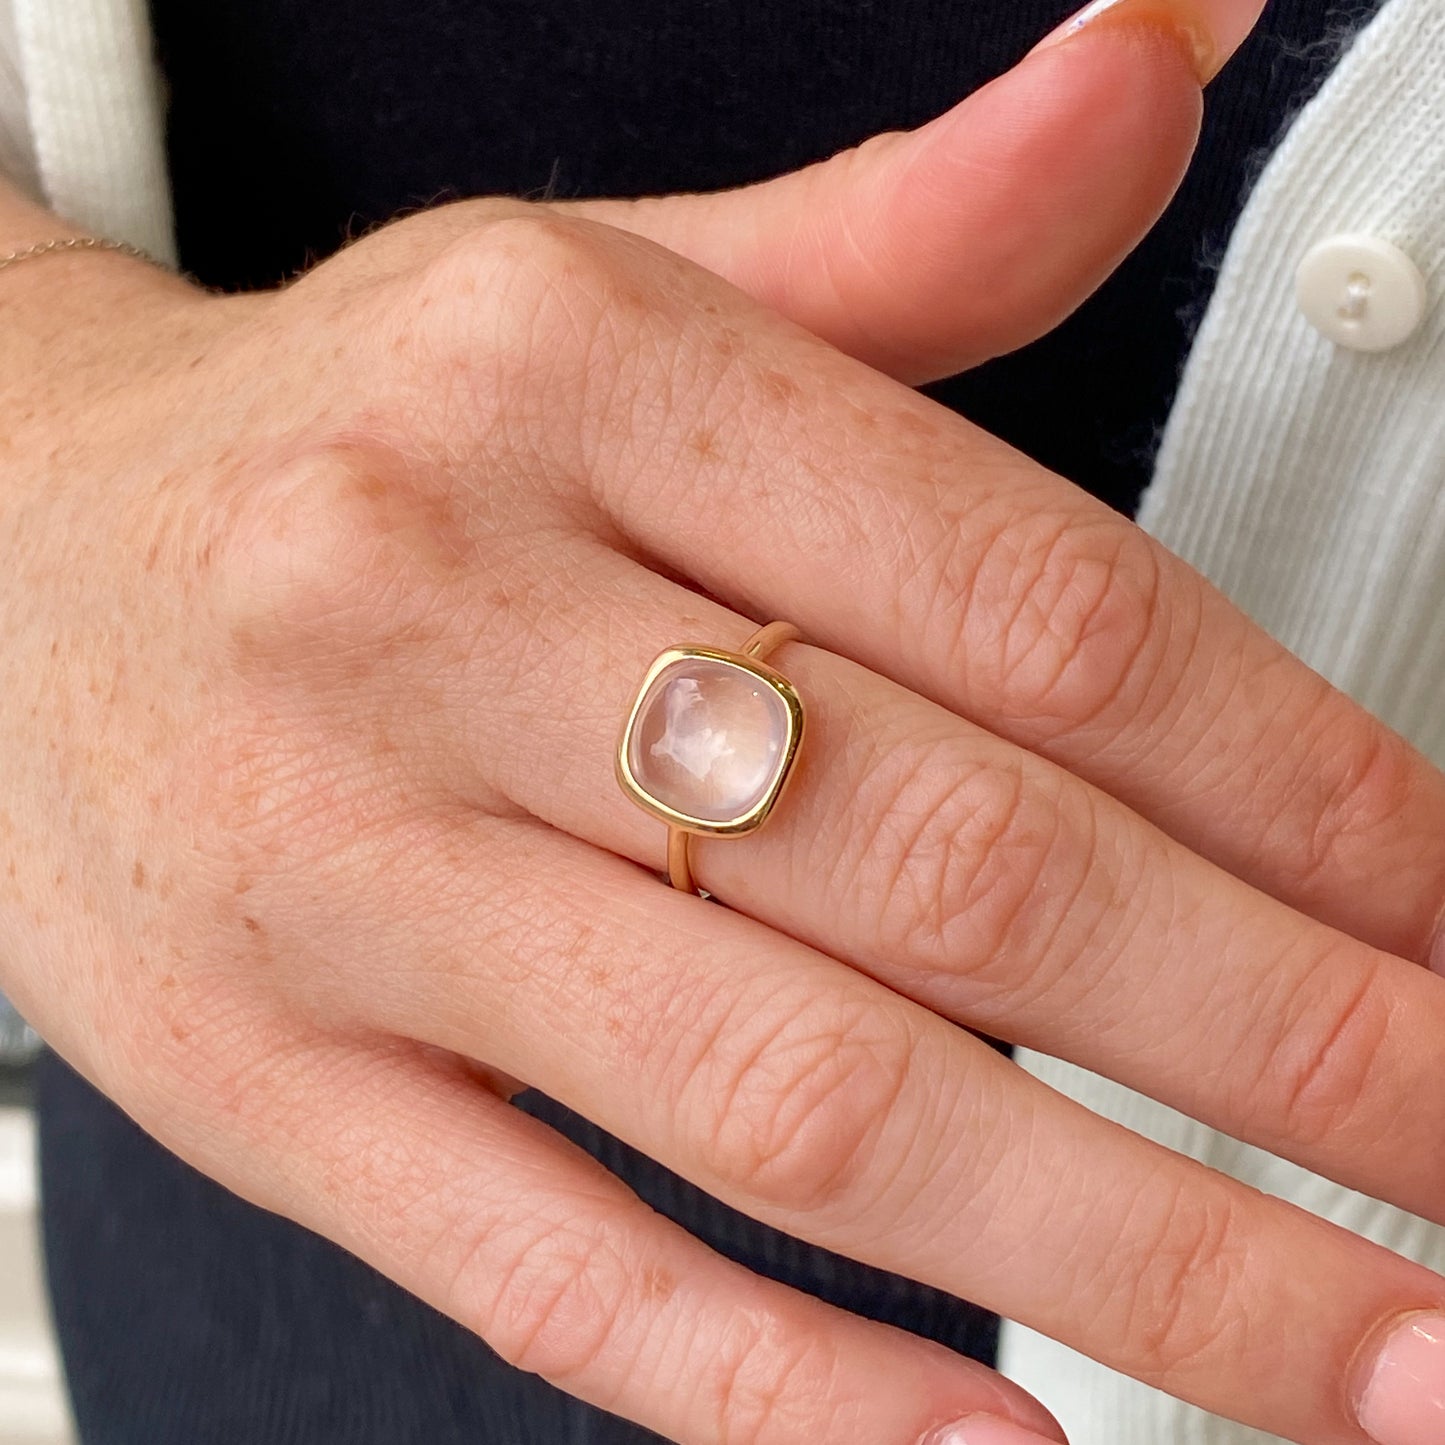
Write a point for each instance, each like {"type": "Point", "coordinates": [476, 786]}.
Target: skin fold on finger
{"type": "Point", "coordinates": [788, 480]}
{"type": "Point", "coordinates": [822, 1103]}
{"type": "Point", "coordinates": [977, 879]}
{"type": "Point", "coordinates": [501, 1223]}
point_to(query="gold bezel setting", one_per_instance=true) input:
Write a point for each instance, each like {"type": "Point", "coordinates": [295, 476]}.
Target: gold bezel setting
{"type": "Point", "coordinates": [757, 815]}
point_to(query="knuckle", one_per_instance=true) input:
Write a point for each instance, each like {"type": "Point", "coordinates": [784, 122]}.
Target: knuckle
{"type": "Point", "coordinates": [974, 862]}
{"type": "Point", "coordinates": [771, 1382]}
{"type": "Point", "coordinates": [576, 1305]}
{"type": "Point", "coordinates": [1179, 1297]}
{"type": "Point", "coordinates": [533, 288]}
{"type": "Point", "coordinates": [1357, 786]}
{"type": "Point", "coordinates": [331, 588]}
{"type": "Point", "coordinates": [792, 1102]}
{"type": "Point", "coordinates": [536, 241]}
{"type": "Point", "coordinates": [553, 1292]}
{"type": "Point", "coordinates": [1068, 611]}
{"type": "Point", "coordinates": [534, 336]}
{"type": "Point", "coordinates": [1317, 1078]}
{"type": "Point", "coordinates": [944, 841]}
{"type": "Point", "coordinates": [333, 550]}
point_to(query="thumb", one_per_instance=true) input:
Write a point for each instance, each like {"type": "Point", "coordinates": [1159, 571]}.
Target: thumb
{"type": "Point", "coordinates": [926, 252]}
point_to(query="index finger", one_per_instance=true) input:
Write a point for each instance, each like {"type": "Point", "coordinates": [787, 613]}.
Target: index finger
{"type": "Point", "coordinates": [897, 533]}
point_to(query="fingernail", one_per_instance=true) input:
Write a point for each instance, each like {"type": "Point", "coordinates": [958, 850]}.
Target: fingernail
{"type": "Point", "coordinates": [1188, 21]}
{"type": "Point", "coordinates": [1402, 1401]}
{"type": "Point", "coordinates": [983, 1430]}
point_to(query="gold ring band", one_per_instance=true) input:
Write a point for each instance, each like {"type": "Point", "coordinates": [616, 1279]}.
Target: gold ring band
{"type": "Point", "coordinates": [710, 742]}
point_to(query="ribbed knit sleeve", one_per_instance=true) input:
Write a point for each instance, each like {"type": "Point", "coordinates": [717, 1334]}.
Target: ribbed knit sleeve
{"type": "Point", "coordinates": [17, 146]}
{"type": "Point", "coordinates": [93, 96]}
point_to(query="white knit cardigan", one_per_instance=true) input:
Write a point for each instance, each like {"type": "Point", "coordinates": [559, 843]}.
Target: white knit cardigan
{"type": "Point", "coordinates": [1307, 481]}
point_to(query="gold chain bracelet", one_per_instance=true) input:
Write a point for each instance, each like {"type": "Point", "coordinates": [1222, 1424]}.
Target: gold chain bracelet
{"type": "Point", "coordinates": [72, 243]}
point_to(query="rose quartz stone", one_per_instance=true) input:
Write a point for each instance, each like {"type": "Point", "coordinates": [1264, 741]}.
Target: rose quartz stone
{"type": "Point", "coordinates": [709, 739]}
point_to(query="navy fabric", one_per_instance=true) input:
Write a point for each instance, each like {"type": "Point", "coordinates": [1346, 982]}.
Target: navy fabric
{"type": "Point", "coordinates": [186, 1316]}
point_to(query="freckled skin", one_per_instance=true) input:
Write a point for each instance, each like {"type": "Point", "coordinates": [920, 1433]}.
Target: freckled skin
{"type": "Point", "coordinates": [659, 1284]}
{"type": "Point", "coordinates": [704, 443]}
{"type": "Point", "coordinates": [345, 827]}
{"type": "Point", "coordinates": [778, 387]}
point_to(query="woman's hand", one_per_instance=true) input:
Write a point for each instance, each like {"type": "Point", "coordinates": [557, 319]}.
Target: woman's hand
{"type": "Point", "coordinates": [322, 610]}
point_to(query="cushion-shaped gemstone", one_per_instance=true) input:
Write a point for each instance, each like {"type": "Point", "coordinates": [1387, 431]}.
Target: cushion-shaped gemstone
{"type": "Point", "coordinates": [709, 739]}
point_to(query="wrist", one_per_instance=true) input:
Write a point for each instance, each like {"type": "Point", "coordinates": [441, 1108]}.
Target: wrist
{"type": "Point", "coordinates": [61, 244]}
{"type": "Point", "coordinates": [80, 314]}
{"type": "Point", "coordinates": [60, 280]}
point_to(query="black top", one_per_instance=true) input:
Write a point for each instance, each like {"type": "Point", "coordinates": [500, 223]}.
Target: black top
{"type": "Point", "coordinates": [185, 1315]}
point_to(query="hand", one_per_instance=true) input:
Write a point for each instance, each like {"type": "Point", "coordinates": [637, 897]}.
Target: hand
{"type": "Point", "coordinates": [311, 811]}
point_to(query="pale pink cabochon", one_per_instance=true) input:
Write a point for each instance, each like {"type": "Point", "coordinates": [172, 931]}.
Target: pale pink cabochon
{"type": "Point", "coordinates": [709, 740]}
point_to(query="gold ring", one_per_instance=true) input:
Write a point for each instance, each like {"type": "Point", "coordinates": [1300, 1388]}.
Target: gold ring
{"type": "Point", "coordinates": [710, 742]}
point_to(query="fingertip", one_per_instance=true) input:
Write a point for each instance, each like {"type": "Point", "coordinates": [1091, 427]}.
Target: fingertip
{"type": "Point", "coordinates": [980, 1399]}
{"type": "Point", "coordinates": [985, 1430]}
{"type": "Point", "coordinates": [1207, 32]}
{"type": "Point", "coordinates": [1232, 22]}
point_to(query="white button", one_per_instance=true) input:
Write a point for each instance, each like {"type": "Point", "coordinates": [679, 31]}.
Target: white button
{"type": "Point", "coordinates": [1362, 292]}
